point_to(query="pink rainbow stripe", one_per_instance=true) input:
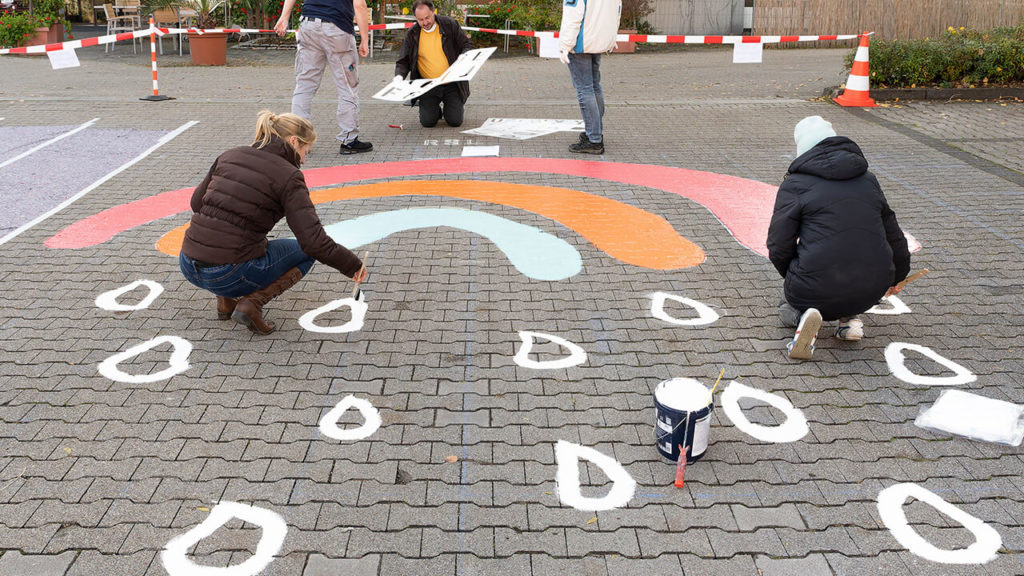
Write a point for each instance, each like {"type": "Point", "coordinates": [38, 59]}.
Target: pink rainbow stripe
{"type": "Point", "coordinates": [743, 206]}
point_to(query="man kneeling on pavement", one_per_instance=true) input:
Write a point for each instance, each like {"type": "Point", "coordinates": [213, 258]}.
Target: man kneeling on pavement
{"type": "Point", "coordinates": [429, 48]}
{"type": "Point", "coordinates": [832, 237]}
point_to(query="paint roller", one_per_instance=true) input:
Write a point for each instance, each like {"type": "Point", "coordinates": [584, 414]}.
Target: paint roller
{"type": "Point", "coordinates": [357, 294]}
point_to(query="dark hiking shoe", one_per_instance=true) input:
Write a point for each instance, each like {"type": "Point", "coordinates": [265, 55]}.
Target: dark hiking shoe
{"type": "Point", "coordinates": [355, 147]}
{"type": "Point", "coordinates": [585, 146]}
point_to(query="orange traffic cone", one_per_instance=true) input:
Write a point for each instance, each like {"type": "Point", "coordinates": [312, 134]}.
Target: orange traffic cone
{"type": "Point", "coordinates": [857, 91]}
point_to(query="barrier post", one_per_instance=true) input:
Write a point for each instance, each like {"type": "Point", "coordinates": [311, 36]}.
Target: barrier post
{"type": "Point", "coordinates": [155, 97]}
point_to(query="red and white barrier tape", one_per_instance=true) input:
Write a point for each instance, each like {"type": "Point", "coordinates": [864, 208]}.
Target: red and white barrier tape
{"type": "Point", "coordinates": [74, 44]}
{"type": "Point", "coordinates": [639, 38]}
{"type": "Point", "coordinates": [669, 39]}
{"type": "Point", "coordinates": [100, 40]}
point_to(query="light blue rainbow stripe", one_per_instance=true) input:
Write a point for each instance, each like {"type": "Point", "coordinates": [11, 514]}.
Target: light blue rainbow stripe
{"type": "Point", "coordinates": [535, 253]}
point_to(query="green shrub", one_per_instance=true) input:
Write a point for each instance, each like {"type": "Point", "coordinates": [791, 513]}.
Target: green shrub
{"type": "Point", "coordinates": [16, 28]}
{"type": "Point", "coordinates": [958, 57]}
{"type": "Point", "coordinates": [525, 14]}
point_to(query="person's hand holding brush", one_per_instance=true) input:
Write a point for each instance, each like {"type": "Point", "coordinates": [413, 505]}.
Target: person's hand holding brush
{"type": "Point", "coordinates": [361, 276]}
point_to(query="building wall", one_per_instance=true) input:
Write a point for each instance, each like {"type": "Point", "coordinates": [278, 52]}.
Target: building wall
{"type": "Point", "coordinates": [697, 17]}
{"type": "Point", "coordinates": [888, 19]}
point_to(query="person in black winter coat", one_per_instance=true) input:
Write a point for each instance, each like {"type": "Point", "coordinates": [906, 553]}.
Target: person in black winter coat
{"type": "Point", "coordinates": [832, 237]}
{"type": "Point", "coordinates": [429, 48]}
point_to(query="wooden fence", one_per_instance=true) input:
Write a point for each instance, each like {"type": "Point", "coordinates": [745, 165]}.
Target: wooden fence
{"type": "Point", "coordinates": [888, 19]}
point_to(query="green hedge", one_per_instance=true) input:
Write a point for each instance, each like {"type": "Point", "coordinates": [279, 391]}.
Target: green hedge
{"type": "Point", "coordinates": [958, 57]}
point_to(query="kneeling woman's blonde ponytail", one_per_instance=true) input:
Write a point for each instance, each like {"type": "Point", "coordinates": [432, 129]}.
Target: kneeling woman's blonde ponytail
{"type": "Point", "coordinates": [283, 126]}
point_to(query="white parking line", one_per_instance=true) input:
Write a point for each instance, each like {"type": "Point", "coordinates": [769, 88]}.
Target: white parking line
{"type": "Point", "coordinates": [165, 139]}
{"type": "Point", "coordinates": [48, 142]}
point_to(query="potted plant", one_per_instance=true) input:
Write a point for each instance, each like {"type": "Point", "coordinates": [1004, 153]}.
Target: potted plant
{"type": "Point", "coordinates": [208, 48]}
{"type": "Point", "coordinates": [32, 23]}
{"type": "Point", "coordinates": [16, 29]}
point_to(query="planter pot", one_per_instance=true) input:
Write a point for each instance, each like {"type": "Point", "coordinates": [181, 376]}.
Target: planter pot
{"type": "Point", "coordinates": [625, 47]}
{"type": "Point", "coordinates": [50, 35]}
{"type": "Point", "coordinates": [55, 34]}
{"type": "Point", "coordinates": [210, 49]}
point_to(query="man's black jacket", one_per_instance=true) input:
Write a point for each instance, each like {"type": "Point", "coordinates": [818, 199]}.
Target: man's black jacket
{"type": "Point", "coordinates": [453, 41]}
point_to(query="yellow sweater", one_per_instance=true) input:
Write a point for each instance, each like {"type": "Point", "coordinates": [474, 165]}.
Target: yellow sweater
{"type": "Point", "coordinates": [431, 61]}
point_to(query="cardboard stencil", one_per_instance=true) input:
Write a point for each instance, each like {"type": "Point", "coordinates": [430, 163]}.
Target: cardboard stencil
{"type": "Point", "coordinates": [524, 128]}
{"type": "Point", "coordinates": [463, 69]}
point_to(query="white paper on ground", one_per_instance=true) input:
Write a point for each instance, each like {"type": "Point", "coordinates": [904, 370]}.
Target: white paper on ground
{"type": "Point", "coordinates": [524, 128]}
{"type": "Point", "coordinates": [976, 417]}
{"type": "Point", "coordinates": [747, 52]}
{"type": "Point", "coordinates": [473, 151]}
{"type": "Point", "coordinates": [549, 47]}
{"type": "Point", "coordinates": [462, 70]}
{"type": "Point", "coordinates": [66, 58]}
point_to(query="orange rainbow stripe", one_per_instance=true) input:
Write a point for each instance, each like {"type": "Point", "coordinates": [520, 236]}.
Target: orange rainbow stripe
{"type": "Point", "coordinates": [626, 233]}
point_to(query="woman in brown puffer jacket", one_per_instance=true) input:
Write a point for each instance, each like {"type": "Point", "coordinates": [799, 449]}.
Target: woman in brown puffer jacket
{"type": "Point", "coordinates": [245, 194]}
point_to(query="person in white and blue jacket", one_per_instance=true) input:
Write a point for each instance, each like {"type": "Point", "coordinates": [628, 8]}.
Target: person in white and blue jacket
{"type": "Point", "coordinates": [588, 30]}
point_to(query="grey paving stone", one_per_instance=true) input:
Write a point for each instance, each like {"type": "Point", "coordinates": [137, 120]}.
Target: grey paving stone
{"type": "Point", "coordinates": [886, 563]}
{"type": "Point", "coordinates": [752, 518]}
{"type": "Point", "coordinates": [813, 564]}
{"type": "Point", "coordinates": [320, 565]}
{"type": "Point", "coordinates": [14, 563]}
{"type": "Point", "coordinates": [396, 564]}
{"type": "Point", "coordinates": [551, 542]}
{"type": "Point", "coordinates": [92, 562]}
{"type": "Point", "coordinates": [735, 565]}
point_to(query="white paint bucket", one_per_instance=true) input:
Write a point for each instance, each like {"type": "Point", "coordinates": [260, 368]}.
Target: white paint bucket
{"type": "Point", "coordinates": [683, 417]}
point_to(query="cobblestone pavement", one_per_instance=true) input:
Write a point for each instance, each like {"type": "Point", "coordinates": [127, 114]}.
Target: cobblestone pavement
{"type": "Point", "coordinates": [98, 475]}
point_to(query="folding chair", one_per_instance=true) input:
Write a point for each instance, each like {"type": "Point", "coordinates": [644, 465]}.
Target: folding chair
{"type": "Point", "coordinates": [117, 24]}
{"type": "Point", "coordinates": [167, 18]}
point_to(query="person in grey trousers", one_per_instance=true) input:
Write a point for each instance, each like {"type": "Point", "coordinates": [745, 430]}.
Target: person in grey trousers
{"type": "Point", "coordinates": [326, 37]}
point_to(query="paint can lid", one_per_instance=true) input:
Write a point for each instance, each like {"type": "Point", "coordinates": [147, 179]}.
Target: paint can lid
{"type": "Point", "coordinates": [683, 394]}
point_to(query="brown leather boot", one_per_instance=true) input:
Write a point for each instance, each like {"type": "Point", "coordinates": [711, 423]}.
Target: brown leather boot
{"type": "Point", "coordinates": [225, 306]}
{"type": "Point", "coordinates": [249, 310]}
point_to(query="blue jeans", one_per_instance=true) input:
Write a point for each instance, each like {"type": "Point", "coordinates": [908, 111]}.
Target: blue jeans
{"type": "Point", "coordinates": [237, 280]}
{"type": "Point", "coordinates": [586, 78]}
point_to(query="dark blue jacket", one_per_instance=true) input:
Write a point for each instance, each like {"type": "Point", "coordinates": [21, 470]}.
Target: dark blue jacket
{"type": "Point", "coordinates": [337, 12]}
{"type": "Point", "coordinates": [833, 236]}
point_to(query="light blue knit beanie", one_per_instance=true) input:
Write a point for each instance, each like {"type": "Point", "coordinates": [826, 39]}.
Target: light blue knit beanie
{"type": "Point", "coordinates": [810, 131]}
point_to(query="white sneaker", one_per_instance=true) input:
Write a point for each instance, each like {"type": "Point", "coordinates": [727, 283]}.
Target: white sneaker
{"type": "Point", "coordinates": [852, 330]}
{"type": "Point", "coordinates": [802, 345]}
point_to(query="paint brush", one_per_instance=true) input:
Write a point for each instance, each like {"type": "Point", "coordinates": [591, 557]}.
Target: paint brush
{"type": "Point", "coordinates": [903, 283]}
{"type": "Point", "coordinates": [357, 294]}
{"type": "Point", "coordinates": [681, 466]}
{"type": "Point", "coordinates": [712, 393]}
{"type": "Point", "coordinates": [683, 454]}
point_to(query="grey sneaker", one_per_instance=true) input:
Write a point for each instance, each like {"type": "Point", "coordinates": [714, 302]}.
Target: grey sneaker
{"type": "Point", "coordinates": [802, 345]}
{"type": "Point", "coordinates": [585, 146]}
{"type": "Point", "coordinates": [852, 330]}
{"type": "Point", "coordinates": [355, 147]}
